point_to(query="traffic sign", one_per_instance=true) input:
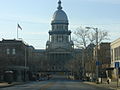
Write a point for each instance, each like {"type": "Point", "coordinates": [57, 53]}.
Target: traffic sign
{"type": "Point", "coordinates": [117, 64]}
{"type": "Point", "coordinates": [97, 63]}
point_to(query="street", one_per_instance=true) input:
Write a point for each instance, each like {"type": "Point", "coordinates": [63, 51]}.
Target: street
{"type": "Point", "coordinates": [57, 83]}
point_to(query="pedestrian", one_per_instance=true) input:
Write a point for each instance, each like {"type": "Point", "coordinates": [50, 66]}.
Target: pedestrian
{"type": "Point", "coordinates": [108, 80]}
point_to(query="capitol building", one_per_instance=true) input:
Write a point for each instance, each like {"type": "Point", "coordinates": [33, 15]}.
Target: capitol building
{"type": "Point", "coordinates": [59, 47]}
{"type": "Point", "coordinates": [24, 60]}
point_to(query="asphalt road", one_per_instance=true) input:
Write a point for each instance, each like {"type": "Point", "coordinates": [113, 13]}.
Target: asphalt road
{"type": "Point", "coordinates": [57, 83]}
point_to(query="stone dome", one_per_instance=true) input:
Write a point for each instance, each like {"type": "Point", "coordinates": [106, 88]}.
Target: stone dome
{"type": "Point", "coordinates": [59, 16]}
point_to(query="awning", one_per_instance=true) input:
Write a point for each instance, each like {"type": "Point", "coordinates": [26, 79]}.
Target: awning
{"type": "Point", "coordinates": [111, 68]}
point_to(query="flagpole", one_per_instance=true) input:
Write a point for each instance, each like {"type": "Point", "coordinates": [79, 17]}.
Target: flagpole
{"type": "Point", "coordinates": [18, 27]}
{"type": "Point", "coordinates": [17, 31]}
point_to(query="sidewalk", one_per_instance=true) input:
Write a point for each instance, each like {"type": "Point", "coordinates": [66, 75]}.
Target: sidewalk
{"type": "Point", "coordinates": [112, 85]}
{"type": "Point", "coordinates": [5, 84]}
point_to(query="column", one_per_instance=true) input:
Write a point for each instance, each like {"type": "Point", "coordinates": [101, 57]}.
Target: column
{"type": "Point", "coordinates": [70, 37]}
{"type": "Point", "coordinates": [49, 37]}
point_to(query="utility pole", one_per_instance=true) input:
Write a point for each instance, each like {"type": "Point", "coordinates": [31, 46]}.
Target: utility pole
{"type": "Point", "coordinates": [97, 62]}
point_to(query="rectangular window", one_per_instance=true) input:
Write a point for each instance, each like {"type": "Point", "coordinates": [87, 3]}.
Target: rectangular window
{"type": "Point", "coordinates": [112, 54]}
{"type": "Point", "coordinates": [56, 38]}
{"type": "Point", "coordinates": [59, 38]}
{"type": "Point", "coordinates": [66, 27]}
{"type": "Point", "coordinates": [119, 52]}
{"type": "Point", "coordinates": [8, 51]}
{"type": "Point", "coordinates": [52, 39]}
{"type": "Point", "coordinates": [13, 51]}
{"type": "Point", "coordinates": [116, 53]}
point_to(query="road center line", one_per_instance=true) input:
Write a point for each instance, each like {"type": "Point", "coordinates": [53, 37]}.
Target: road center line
{"type": "Point", "coordinates": [44, 87]}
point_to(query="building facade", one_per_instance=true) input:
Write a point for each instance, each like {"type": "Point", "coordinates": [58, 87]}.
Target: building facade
{"type": "Point", "coordinates": [22, 60]}
{"type": "Point", "coordinates": [104, 58]}
{"type": "Point", "coordinates": [14, 57]}
{"type": "Point", "coordinates": [59, 47]}
{"type": "Point", "coordinates": [89, 61]}
{"type": "Point", "coordinates": [115, 57]}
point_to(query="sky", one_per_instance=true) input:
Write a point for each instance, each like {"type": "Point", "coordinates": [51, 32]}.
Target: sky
{"type": "Point", "coordinates": [34, 16]}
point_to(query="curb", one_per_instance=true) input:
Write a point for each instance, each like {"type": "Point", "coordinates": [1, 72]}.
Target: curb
{"type": "Point", "coordinates": [102, 85]}
{"type": "Point", "coordinates": [9, 85]}
{"type": "Point", "coordinates": [13, 84]}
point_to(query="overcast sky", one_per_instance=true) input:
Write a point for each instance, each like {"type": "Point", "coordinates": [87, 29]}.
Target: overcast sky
{"type": "Point", "coordinates": [34, 16]}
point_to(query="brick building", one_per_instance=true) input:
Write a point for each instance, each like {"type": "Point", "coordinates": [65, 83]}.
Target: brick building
{"type": "Point", "coordinates": [104, 58]}
{"type": "Point", "coordinates": [14, 57]}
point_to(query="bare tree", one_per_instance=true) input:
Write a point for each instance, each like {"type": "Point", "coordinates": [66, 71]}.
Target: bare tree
{"type": "Point", "coordinates": [85, 36]}
{"type": "Point", "coordinates": [102, 35]}
{"type": "Point", "coordinates": [81, 37]}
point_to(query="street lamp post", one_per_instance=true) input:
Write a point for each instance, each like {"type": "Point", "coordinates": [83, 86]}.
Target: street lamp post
{"type": "Point", "coordinates": [96, 49]}
{"type": "Point", "coordinates": [25, 71]}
